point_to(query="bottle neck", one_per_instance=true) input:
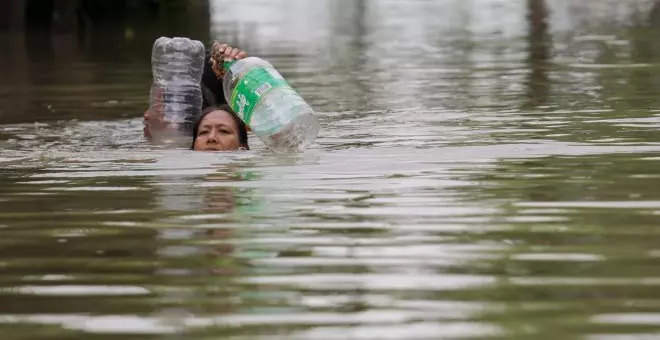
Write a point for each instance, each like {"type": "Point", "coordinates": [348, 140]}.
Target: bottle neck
{"type": "Point", "coordinates": [227, 64]}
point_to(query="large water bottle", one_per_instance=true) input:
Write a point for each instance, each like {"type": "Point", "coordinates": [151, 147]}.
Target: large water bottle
{"type": "Point", "coordinates": [176, 95]}
{"type": "Point", "coordinates": [265, 101]}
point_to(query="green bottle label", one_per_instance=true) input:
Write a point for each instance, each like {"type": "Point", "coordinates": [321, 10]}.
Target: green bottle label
{"type": "Point", "coordinates": [255, 84]}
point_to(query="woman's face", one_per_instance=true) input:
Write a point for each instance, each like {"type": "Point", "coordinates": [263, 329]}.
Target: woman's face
{"type": "Point", "coordinates": [217, 132]}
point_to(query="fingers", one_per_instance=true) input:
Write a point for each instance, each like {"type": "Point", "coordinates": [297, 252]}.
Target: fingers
{"type": "Point", "coordinates": [234, 54]}
{"type": "Point", "coordinates": [219, 47]}
{"type": "Point", "coordinates": [217, 50]}
{"type": "Point", "coordinates": [223, 53]}
{"type": "Point", "coordinates": [146, 133]}
{"type": "Point", "coordinates": [228, 53]}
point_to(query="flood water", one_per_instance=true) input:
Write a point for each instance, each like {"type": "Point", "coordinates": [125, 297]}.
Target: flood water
{"type": "Point", "coordinates": [478, 175]}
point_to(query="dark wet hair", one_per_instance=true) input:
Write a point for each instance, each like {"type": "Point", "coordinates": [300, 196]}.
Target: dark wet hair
{"type": "Point", "coordinates": [242, 129]}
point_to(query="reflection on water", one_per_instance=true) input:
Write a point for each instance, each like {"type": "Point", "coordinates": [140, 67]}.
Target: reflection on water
{"type": "Point", "coordinates": [486, 169]}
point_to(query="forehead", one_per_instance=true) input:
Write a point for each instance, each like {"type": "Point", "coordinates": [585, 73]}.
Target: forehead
{"type": "Point", "coordinates": [218, 117]}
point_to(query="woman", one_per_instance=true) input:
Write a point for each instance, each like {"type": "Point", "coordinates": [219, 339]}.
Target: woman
{"type": "Point", "coordinates": [218, 128]}
{"type": "Point", "coordinates": [213, 99]}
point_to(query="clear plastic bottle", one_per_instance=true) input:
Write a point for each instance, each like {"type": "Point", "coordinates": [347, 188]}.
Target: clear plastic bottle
{"type": "Point", "coordinates": [176, 95]}
{"type": "Point", "coordinates": [265, 101]}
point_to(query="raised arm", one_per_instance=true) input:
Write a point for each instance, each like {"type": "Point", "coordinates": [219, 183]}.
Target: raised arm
{"type": "Point", "coordinates": [212, 76]}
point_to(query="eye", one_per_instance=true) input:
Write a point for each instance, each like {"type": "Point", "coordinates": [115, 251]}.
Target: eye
{"type": "Point", "coordinates": [203, 132]}
{"type": "Point", "coordinates": [225, 132]}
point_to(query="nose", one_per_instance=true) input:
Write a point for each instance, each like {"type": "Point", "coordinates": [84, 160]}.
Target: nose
{"type": "Point", "coordinates": [213, 137]}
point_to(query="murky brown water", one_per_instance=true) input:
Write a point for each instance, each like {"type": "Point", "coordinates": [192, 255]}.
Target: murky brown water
{"type": "Point", "coordinates": [478, 175]}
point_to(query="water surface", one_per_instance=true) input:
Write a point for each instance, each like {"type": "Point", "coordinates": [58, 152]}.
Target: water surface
{"type": "Point", "coordinates": [479, 174]}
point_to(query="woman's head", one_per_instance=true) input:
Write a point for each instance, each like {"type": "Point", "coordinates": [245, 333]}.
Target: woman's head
{"type": "Point", "coordinates": [219, 129]}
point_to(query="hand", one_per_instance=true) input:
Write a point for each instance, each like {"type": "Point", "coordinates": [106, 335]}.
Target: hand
{"type": "Point", "coordinates": [146, 116]}
{"type": "Point", "coordinates": [154, 119]}
{"type": "Point", "coordinates": [221, 53]}
{"type": "Point", "coordinates": [154, 122]}
{"type": "Point", "coordinates": [145, 129]}
{"type": "Point", "coordinates": [154, 116]}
